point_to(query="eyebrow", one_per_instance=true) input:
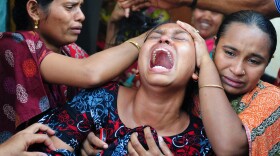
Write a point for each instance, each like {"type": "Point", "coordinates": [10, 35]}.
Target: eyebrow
{"type": "Point", "coordinates": [176, 32]}
{"type": "Point", "coordinates": [254, 54]}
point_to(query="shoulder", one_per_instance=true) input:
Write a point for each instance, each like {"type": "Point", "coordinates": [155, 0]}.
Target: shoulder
{"type": "Point", "coordinates": [75, 51]}
{"type": "Point", "coordinates": [264, 91]}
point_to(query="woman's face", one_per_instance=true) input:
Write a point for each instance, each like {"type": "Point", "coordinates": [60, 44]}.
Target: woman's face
{"type": "Point", "coordinates": [62, 23]}
{"type": "Point", "coordinates": [167, 57]}
{"type": "Point", "coordinates": [206, 22]}
{"type": "Point", "coordinates": [241, 57]}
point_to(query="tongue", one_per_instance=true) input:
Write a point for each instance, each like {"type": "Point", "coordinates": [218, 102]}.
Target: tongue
{"type": "Point", "coordinates": [162, 60]}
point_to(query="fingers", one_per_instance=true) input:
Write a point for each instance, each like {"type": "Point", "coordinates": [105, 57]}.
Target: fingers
{"type": "Point", "coordinates": [193, 32]}
{"type": "Point", "coordinates": [92, 145]}
{"type": "Point", "coordinates": [138, 7]}
{"type": "Point", "coordinates": [130, 3]}
{"type": "Point", "coordinates": [34, 128]}
{"type": "Point", "coordinates": [199, 43]}
{"type": "Point", "coordinates": [32, 138]}
{"type": "Point", "coordinates": [131, 150]}
{"type": "Point", "coordinates": [38, 138]}
{"type": "Point", "coordinates": [95, 141]}
{"type": "Point", "coordinates": [126, 12]}
{"type": "Point", "coordinates": [136, 144]}
{"type": "Point", "coordinates": [151, 142]}
{"type": "Point", "coordinates": [164, 148]}
{"type": "Point", "coordinates": [33, 154]}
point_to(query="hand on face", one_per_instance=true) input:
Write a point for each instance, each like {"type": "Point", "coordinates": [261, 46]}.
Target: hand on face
{"type": "Point", "coordinates": [199, 43]}
{"type": "Point", "coordinates": [136, 149]}
{"type": "Point", "coordinates": [139, 4]}
{"type": "Point", "coordinates": [23, 139]}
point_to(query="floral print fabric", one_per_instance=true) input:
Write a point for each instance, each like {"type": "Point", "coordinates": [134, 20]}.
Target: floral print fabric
{"type": "Point", "coordinates": [94, 109]}
{"type": "Point", "coordinates": [23, 92]}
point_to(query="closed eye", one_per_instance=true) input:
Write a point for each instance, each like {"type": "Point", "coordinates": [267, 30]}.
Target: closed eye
{"type": "Point", "coordinates": [254, 61]}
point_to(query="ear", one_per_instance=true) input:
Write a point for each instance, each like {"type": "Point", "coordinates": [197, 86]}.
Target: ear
{"type": "Point", "coordinates": [32, 8]}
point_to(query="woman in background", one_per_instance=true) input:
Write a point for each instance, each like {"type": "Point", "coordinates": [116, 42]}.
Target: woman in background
{"type": "Point", "coordinates": [39, 63]}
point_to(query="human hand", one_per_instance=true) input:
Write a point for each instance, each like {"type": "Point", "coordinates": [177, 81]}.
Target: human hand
{"type": "Point", "coordinates": [118, 13]}
{"type": "Point", "coordinates": [19, 143]}
{"type": "Point", "coordinates": [136, 149]}
{"type": "Point", "coordinates": [134, 5]}
{"type": "Point", "coordinates": [199, 43]}
{"type": "Point", "coordinates": [139, 4]}
{"type": "Point", "coordinates": [92, 145]}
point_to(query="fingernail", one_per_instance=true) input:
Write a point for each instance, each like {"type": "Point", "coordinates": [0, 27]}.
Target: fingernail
{"type": "Point", "coordinates": [105, 146]}
{"type": "Point", "coordinates": [160, 138]}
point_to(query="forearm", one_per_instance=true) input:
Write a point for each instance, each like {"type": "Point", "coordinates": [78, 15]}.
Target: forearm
{"type": "Point", "coordinates": [112, 29]}
{"type": "Point", "coordinates": [114, 61]}
{"type": "Point", "coordinates": [92, 71]}
{"type": "Point", "coordinates": [223, 127]}
{"type": "Point", "coordinates": [266, 7]}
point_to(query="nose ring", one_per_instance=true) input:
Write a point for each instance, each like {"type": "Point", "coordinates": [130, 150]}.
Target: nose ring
{"type": "Point", "coordinates": [243, 72]}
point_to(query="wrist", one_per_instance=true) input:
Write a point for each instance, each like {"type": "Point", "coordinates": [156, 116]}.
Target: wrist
{"type": "Point", "coordinates": [205, 59]}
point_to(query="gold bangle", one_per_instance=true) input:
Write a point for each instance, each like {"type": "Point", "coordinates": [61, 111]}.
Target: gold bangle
{"type": "Point", "coordinates": [135, 44]}
{"type": "Point", "coordinates": [212, 85]}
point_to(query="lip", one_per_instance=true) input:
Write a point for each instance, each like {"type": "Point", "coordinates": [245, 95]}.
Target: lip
{"type": "Point", "coordinates": [161, 46]}
{"type": "Point", "coordinates": [233, 82]}
{"type": "Point", "coordinates": [76, 30]}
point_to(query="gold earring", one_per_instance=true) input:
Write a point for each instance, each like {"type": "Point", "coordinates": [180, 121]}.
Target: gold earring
{"type": "Point", "coordinates": [36, 23]}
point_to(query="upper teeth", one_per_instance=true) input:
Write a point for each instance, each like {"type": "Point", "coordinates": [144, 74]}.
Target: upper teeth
{"type": "Point", "coordinates": [164, 50]}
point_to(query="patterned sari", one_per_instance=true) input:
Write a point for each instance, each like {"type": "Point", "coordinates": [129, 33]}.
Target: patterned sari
{"type": "Point", "coordinates": [259, 111]}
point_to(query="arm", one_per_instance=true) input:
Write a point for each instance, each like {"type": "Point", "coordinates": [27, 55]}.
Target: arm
{"type": "Point", "coordinates": [222, 125]}
{"type": "Point", "coordinates": [266, 7]}
{"type": "Point", "coordinates": [112, 26]}
{"type": "Point", "coordinates": [23, 139]}
{"type": "Point", "coordinates": [92, 71]}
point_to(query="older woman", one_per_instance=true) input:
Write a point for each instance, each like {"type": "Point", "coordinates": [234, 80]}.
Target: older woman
{"type": "Point", "coordinates": [39, 57]}
{"type": "Point", "coordinates": [244, 118]}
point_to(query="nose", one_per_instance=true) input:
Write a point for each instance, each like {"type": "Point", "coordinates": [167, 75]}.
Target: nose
{"type": "Point", "coordinates": [237, 68]}
{"type": "Point", "coordinates": [79, 16]}
{"type": "Point", "coordinates": [165, 39]}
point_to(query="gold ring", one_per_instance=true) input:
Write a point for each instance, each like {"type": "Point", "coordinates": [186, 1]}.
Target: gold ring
{"type": "Point", "coordinates": [196, 31]}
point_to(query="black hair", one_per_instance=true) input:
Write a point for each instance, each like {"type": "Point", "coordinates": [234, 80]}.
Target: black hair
{"type": "Point", "coordinates": [21, 16]}
{"type": "Point", "coordinates": [250, 17]}
{"type": "Point", "coordinates": [136, 24]}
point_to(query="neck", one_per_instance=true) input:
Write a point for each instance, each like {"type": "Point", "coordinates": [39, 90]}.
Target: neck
{"type": "Point", "coordinates": [163, 107]}
{"type": "Point", "coordinates": [49, 45]}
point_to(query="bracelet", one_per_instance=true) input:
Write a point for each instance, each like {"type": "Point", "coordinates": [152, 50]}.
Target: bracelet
{"type": "Point", "coordinates": [212, 85]}
{"type": "Point", "coordinates": [193, 4]}
{"type": "Point", "coordinates": [135, 44]}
